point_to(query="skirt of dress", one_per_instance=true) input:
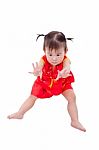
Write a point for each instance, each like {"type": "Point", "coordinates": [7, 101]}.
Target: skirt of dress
{"type": "Point", "coordinates": [41, 89]}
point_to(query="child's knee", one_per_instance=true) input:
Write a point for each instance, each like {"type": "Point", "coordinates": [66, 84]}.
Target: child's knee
{"type": "Point", "coordinates": [70, 95]}
{"type": "Point", "coordinates": [71, 98]}
{"type": "Point", "coordinates": [32, 97]}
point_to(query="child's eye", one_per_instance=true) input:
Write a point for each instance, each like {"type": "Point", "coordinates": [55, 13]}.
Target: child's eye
{"type": "Point", "coordinates": [58, 54]}
{"type": "Point", "coordinates": [50, 54]}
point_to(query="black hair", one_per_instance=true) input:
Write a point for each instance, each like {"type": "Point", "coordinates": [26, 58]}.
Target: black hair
{"type": "Point", "coordinates": [54, 40]}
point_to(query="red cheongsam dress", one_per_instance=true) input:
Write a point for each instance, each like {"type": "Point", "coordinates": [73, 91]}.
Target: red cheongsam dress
{"type": "Point", "coordinates": [47, 86]}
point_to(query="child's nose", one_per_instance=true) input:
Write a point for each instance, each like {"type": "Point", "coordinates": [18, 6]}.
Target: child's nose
{"type": "Point", "coordinates": [54, 58]}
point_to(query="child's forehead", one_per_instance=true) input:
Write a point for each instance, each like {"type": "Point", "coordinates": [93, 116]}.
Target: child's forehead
{"type": "Point", "coordinates": [55, 50]}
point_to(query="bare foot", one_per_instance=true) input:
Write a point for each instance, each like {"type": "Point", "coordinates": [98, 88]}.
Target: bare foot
{"type": "Point", "coordinates": [78, 125]}
{"type": "Point", "coordinates": [16, 115]}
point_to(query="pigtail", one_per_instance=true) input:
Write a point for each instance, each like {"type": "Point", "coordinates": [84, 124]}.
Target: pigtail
{"type": "Point", "coordinates": [39, 36]}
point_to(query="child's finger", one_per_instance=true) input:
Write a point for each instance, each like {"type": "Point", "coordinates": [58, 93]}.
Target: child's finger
{"type": "Point", "coordinates": [33, 65]}
{"type": "Point", "coordinates": [30, 72]}
{"type": "Point", "coordinates": [36, 64]}
{"type": "Point", "coordinates": [57, 78]}
{"type": "Point", "coordinates": [58, 75]}
{"type": "Point", "coordinates": [41, 75]}
{"type": "Point", "coordinates": [68, 75]}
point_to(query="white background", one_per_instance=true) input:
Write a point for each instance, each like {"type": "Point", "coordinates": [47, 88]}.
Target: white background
{"type": "Point", "coordinates": [47, 125]}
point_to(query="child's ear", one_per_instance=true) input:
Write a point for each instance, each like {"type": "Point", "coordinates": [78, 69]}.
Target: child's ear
{"type": "Point", "coordinates": [44, 49]}
{"type": "Point", "coordinates": [66, 49]}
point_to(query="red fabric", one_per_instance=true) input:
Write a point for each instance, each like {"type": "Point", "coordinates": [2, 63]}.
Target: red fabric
{"type": "Point", "coordinates": [48, 86]}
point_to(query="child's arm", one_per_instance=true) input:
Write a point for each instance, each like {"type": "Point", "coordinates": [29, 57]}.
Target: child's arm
{"type": "Point", "coordinates": [66, 65]}
{"type": "Point", "coordinates": [65, 72]}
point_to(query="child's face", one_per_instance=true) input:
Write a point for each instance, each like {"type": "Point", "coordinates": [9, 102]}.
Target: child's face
{"type": "Point", "coordinates": [55, 57]}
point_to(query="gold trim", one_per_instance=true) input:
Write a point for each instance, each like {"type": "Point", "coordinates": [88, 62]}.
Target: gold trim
{"type": "Point", "coordinates": [51, 84]}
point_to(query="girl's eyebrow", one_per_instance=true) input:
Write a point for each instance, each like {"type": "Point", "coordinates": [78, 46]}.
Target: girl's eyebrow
{"type": "Point", "coordinates": [58, 52]}
{"type": "Point", "coordinates": [49, 52]}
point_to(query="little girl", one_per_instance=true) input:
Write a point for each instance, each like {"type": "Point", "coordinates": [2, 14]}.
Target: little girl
{"type": "Point", "coordinates": [53, 77]}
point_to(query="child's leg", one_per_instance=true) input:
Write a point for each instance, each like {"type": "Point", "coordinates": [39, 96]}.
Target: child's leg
{"type": "Point", "coordinates": [72, 109]}
{"type": "Point", "coordinates": [24, 108]}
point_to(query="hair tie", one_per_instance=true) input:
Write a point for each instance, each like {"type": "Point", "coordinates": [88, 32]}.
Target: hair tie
{"type": "Point", "coordinates": [39, 36]}
{"type": "Point", "coordinates": [71, 39]}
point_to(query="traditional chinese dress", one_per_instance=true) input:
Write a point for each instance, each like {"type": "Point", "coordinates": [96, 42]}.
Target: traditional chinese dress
{"type": "Point", "coordinates": [47, 86]}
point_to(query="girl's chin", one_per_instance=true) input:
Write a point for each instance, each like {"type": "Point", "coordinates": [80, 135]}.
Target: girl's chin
{"type": "Point", "coordinates": [54, 64]}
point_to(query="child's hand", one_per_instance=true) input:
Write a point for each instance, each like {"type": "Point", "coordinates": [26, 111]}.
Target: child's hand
{"type": "Point", "coordinates": [63, 73]}
{"type": "Point", "coordinates": [37, 71]}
